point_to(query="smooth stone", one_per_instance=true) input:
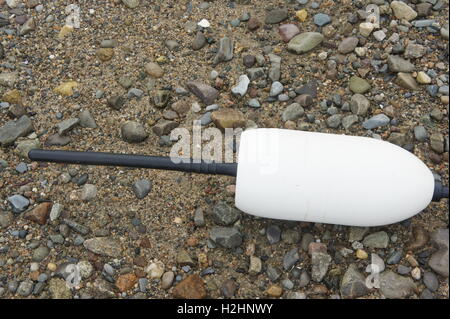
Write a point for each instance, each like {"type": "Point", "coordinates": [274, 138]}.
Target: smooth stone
{"type": "Point", "coordinates": [376, 121]}
{"type": "Point", "coordinates": [141, 188]}
{"type": "Point", "coordinates": [305, 42]}
{"type": "Point", "coordinates": [242, 86]}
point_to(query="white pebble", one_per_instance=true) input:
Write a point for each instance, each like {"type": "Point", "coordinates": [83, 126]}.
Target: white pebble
{"type": "Point", "coordinates": [204, 23]}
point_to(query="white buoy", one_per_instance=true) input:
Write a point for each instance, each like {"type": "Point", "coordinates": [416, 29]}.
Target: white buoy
{"type": "Point", "coordinates": [328, 178]}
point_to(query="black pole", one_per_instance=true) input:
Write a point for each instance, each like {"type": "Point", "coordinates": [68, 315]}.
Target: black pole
{"type": "Point", "coordinates": [131, 160]}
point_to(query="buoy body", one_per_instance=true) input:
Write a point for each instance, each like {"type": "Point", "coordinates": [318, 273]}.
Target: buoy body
{"type": "Point", "coordinates": [328, 178]}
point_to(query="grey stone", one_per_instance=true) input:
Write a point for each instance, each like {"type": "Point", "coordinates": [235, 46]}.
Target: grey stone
{"type": "Point", "coordinates": [199, 41]}
{"type": "Point", "coordinates": [293, 112]}
{"type": "Point", "coordinates": [133, 132]}
{"type": "Point", "coordinates": [18, 203]}
{"type": "Point", "coordinates": [349, 120]}
{"type": "Point", "coordinates": [376, 121]}
{"type": "Point", "coordinates": [227, 237]}
{"type": "Point", "coordinates": [276, 16]}
{"type": "Point", "coordinates": [141, 188]}
{"type": "Point", "coordinates": [420, 133]}
{"type": "Point", "coordinates": [395, 257]}
{"type": "Point", "coordinates": [276, 88]}
{"type": "Point", "coordinates": [225, 52]}
{"type": "Point", "coordinates": [430, 281]}
{"type": "Point", "coordinates": [88, 192]}
{"type": "Point", "coordinates": [104, 246]}
{"type": "Point", "coordinates": [357, 233]}
{"type": "Point", "coordinates": [6, 219]}
{"type": "Point", "coordinates": [254, 103]}
{"type": "Point", "coordinates": [82, 229]}
{"type": "Point", "coordinates": [377, 240]}
{"type": "Point", "coordinates": [305, 42]}
{"type": "Point", "coordinates": [272, 273]}
{"type": "Point", "coordinates": [242, 86]}
{"type": "Point", "coordinates": [199, 218]}
{"type": "Point", "coordinates": [439, 260]}
{"type": "Point", "coordinates": [320, 263]}
{"type": "Point", "coordinates": [334, 121]}
{"type": "Point", "coordinates": [15, 129]}
{"type": "Point", "coordinates": [321, 19]}
{"type": "Point", "coordinates": [25, 288]}
{"type": "Point", "coordinates": [394, 286]}
{"type": "Point", "coordinates": [307, 238]}
{"type": "Point", "coordinates": [398, 64]}
{"type": "Point", "coordinates": [290, 258]}
{"type": "Point", "coordinates": [348, 45]}
{"type": "Point", "coordinates": [290, 236]}
{"type": "Point", "coordinates": [40, 253]}
{"type": "Point", "coordinates": [255, 73]}
{"type": "Point", "coordinates": [224, 214]}
{"type": "Point", "coordinates": [273, 233]}
{"type": "Point", "coordinates": [353, 284]}
{"type": "Point", "coordinates": [406, 81]}
{"type": "Point", "coordinates": [67, 125]}
{"type": "Point", "coordinates": [116, 102]}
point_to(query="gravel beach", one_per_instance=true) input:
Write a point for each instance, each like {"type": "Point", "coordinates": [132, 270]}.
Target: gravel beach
{"type": "Point", "coordinates": [134, 70]}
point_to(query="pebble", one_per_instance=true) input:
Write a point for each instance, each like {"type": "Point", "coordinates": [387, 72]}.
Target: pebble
{"type": "Point", "coordinates": [290, 259]}
{"type": "Point", "coordinates": [276, 88]}
{"type": "Point", "coordinates": [376, 121]}
{"type": "Point", "coordinates": [305, 42]}
{"type": "Point", "coordinates": [276, 16]}
{"type": "Point", "coordinates": [199, 41]}
{"type": "Point", "coordinates": [133, 132]}
{"type": "Point", "coordinates": [439, 260]}
{"type": "Point", "coordinates": [228, 237]}
{"type": "Point", "coordinates": [87, 120]}
{"type": "Point", "coordinates": [293, 112]}
{"type": "Point", "coordinates": [376, 240]}
{"type": "Point", "coordinates": [403, 11]}
{"type": "Point", "coordinates": [398, 64]}
{"type": "Point", "coordinates": [25, 288]}
{"type": "Point", "coordinates": [204, 92]}
{"type": "Point", "coordinates": [154, 70]}
{"type": "Point", "coordinates": [18, 203]}
{"type": "Point", "coordinates": [228, 118]}
{"type": "Point", "coordinates": [88, 192]}
{"type": "Point", "coordinates": [393, 286]}
{"type": "Point", "coordinates": [104, 246]}
{"type": "Point", "coordinates": [254, 103]}
{"type": "Point", "coordinates": [225, 52]}
{"type": "Point", "coordinates": [224, 214]}
{"type": "Point", "coordinates": [320, 263]}
{"type": "Point", "coordinates": [242, 86]}
{"type": "Point", "coordinates": [359, 85]}
{"type": "Point", "coordinates": [167, 280]}
{"type": "Point", "coordinates": [334, 121]}
{"type": "Point", "coordinates": [155, 270]}
{"type": "Point", "coordinates": [407, 81]}
{"type": "Point", "coordinates": [141, 188]}
{"type": "Point", "coordinates": [366, 28]}
{"type": "Point", "coordinates": [15, 129]}
{"type": "Point", "coordinates": [255, 265]}
{"type": "Point", "coordinates": [288, 31]}
{"type": "Point", "coordinates": [273, 233]}
{"type": "Point", "coordinates": [274, 291]}
{"type": "Point", "coordinates": [430, 281]}
{"type": "Point", "coordinates": [40, 253]}
{"type": "Point", "coordinates": [379, 35]}
{"type": "Point", "coordinates": [353, 284]}
{"type": "Point", "coordinates": [348, 45]}
{"type": "Point", "coordinates": [192, 287]}
{"type": "Point", "coordinates": [321, 19]}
